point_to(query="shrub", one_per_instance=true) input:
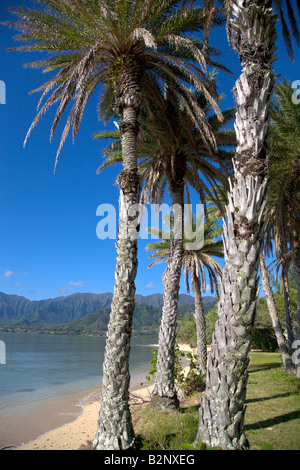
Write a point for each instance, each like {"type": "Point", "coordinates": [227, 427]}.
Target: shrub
{"type": "Point", "coordinates": [189, 383]}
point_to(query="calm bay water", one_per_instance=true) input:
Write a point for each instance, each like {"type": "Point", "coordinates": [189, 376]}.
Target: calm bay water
{"type": "Point", "coordinates": [40, 367]}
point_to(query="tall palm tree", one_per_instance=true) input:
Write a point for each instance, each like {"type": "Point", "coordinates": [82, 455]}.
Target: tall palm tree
{"type": "Point", "coordinates": [174, 155]}
{"type": "Point", "coordinates": [283, 206]}
{"type": "Point", "coordinates": [283, 348]}
{"type": "Point", "coordinates": [251, 26]}
{"type": "Point", "coordinates": [195, 263]}
{"type": "Point", "coordinates": [131, 48]}
{"type": "Point", "coordinates": [181, 160]}
{"type": "Point", "coordinates": [284, 264]}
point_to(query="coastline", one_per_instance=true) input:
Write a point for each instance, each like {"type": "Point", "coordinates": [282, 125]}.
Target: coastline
{"type": "Point", "coordinates": [78, 429]}
{"type": "Point", "coordinates": [79, 434]}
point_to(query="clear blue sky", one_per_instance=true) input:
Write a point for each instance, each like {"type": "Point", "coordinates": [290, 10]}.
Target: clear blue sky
{"type": "Point", "coordinates": [48, 242]}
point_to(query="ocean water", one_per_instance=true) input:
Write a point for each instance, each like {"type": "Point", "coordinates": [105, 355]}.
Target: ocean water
{"type": "Point", "coordinates": [45, 367]}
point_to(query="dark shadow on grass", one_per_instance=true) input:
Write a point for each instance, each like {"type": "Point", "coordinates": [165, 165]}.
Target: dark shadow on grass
{"type": "Point", "coordinates": [273, 421]}
{"type": "Point", "coordinates": [189, 409]}
{"type": "Point", "coordinates": [280, 395]}
{"type": "Point", "coordinates": [260, 368]}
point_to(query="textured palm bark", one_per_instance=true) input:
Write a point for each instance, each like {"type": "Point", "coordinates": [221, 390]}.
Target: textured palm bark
{"type": "Point", "coordinates": [164, 394]}
{"type": "Point", "coordinates": [288, 312]}
{"type": "Point", "coordinates": [200, 321]}
{"type": "Point", "coordinates": [221, 416]}
{"type": "Point", "coordinates": [222, 408]}
{"type": "Point", "coordinates": [115, 431]}
{"type": "Point", "coordinates": [296, 272]}
{"type": "Point", "coordinates": [286, 358]}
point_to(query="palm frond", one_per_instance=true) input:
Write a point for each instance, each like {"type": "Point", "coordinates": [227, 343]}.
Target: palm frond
{"type": "Point", "coordinates": [194, 261]}
{"type": "Point", "coordinates": [89, 42]}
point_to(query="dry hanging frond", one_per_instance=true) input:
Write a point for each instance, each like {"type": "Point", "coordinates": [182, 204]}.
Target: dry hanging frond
{"type": "Point", "coordinates": [144, 35]}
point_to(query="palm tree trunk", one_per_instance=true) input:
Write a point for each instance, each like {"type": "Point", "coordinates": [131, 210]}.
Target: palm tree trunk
{"type": "Point", "coordinates": [200, 325]}
{"type": "Point", "coordinates": [221, 417]}
{"type": "Point", "coordinates": [115, 431]}
{"type": "Point", "coordinates": [164, 394]}
{"type": "Point", "coordinates": [288, 313]}
{"type": "Point", "coordinates": [296, 272]}
{"type": "Point", "coordinates": [286, 358]}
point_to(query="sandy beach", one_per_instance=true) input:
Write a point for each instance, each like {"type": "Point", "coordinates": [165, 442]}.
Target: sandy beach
{"type": "Point", "coordinates": [79, 433]}
{"type": "Point", "coordinates": [79, 424]}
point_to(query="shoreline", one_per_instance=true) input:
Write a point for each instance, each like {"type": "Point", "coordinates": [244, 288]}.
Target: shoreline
{"type": "Point", "coordinates": [20, 427]}
{"type": "Point", "coordinates": [78, 433]}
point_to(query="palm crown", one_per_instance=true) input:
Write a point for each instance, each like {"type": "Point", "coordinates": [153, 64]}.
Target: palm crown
{"type": "Point", "coordinates": [205, 230]}
{"type": "Point", "coordinates": [179, 153]}
{"type": "Point", "coordinates": [131, 47]}
{"type": "Point", "coordinates": [171, 149]}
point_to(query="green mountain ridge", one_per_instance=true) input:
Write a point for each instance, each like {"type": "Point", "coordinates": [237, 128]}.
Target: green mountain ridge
{"type": "Point", "coordinates": [16, 310]}
{"type": "Point", "coordinates": [146, 321]}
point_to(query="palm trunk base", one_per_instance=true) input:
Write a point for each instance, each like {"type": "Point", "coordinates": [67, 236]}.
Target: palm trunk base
{"type": "Point", "coordinates": [106, 437]}
{"type": "Point", "coordinates": [216, 435]}
{"type": "Point", "coordinates": [164, 403]}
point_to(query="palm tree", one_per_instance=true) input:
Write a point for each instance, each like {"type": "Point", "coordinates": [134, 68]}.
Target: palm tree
{"type": "Point", "coordinates": [174, 155]}
{"type": "Point", "coordinates": [131, 48]}
{"type": "Point", "coordinates": [285, 287]}
{"type": "Point", "coordinates": [180, 160]}
{"type": "Point", "coordinates": [251, 26]}
{"type": "Point", "coordinates": [284, 264]}
{"type": "Point", "coordinates": [284, 170]}
{"type": "Point", "coordinates": [283, 206]}
{"type": "Point", "coordinates": [194, 264]}
{"type": "Point", "coordinates": [283, 348]}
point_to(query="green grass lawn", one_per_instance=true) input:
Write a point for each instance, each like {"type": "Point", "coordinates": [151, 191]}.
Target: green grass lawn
{"type": "Point", "coordinates": [273, 404]}
{"type": "Point", "coordinates": [272, 416]}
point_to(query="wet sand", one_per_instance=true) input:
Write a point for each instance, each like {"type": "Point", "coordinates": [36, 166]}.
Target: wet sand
{"type": "Point", "coordinates": [22, 425]}
{"type": "Point", "coordinates": [78, 434]}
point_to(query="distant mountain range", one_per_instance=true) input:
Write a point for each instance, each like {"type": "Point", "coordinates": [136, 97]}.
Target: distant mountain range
{"type": "Point", "coordinates": [17, 310]}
